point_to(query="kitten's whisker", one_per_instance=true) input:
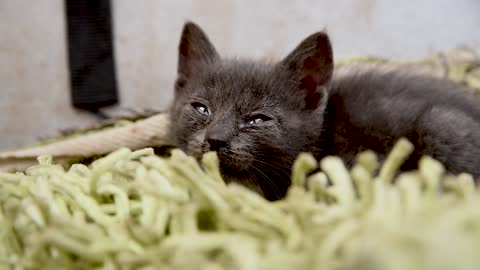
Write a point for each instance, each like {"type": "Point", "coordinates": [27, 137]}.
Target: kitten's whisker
{"type": "Point", "coordinates": [273, 169]}
{"type": "Point", "coordinates": [253, 178]}
{"type": "Point", "coordinates": [272, 163]}
{"type": "Point", "coordinates": [266, 178]}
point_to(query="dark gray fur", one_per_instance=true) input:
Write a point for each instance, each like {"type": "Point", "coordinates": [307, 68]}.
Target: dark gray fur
{"type": "Point", "coordinates": [304, 108]}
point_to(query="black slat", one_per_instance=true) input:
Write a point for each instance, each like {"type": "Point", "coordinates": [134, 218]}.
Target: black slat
{"type": "Point", "coordinates": [91, 55]}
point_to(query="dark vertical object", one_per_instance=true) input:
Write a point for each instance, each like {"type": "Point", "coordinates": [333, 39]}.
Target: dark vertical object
{"type": "Point", "coordinates": [91, 55]}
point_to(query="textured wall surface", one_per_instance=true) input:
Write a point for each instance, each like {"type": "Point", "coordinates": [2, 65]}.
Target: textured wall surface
{"type": "Point", "coordinates": [34, 88]}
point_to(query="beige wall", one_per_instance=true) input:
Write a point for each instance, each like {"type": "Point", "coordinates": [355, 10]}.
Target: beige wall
{"type": "Point", "coordinates": [34, 94]}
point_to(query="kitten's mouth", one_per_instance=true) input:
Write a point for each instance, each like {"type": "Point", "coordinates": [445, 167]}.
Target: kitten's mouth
{"type": "Point", "coordinates": [231, 163]}
{"type": "Point", "coordinates": [234, 167]}
{"type": "Point", "coordinates": [237, 168]}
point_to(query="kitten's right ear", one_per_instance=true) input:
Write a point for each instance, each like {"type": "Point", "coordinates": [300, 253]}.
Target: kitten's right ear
{"type": "Point", "coordinates": [194, 52]}
{"type": "Point", "coordinates": [311, 65]}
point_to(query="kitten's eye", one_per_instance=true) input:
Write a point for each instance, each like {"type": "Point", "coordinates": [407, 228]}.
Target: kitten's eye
{"type": "Point", "coordinates": [257, 119]}
{"type": "Point", "coordinates": [202, 109]}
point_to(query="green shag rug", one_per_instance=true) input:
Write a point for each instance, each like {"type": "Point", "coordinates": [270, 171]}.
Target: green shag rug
{"type": "Point", "coordinates": [136, 210]}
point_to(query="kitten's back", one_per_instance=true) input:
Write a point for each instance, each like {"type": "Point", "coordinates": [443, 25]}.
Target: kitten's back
{"type": "Point", "coordinates": [371, 106]}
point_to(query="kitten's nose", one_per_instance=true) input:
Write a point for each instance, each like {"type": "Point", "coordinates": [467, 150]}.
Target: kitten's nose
{"type": "Point", "coordinates": [217, 140]}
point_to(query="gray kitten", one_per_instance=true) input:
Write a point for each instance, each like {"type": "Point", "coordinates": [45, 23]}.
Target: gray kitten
{"type": "Point", "coordinates": [259, 116]}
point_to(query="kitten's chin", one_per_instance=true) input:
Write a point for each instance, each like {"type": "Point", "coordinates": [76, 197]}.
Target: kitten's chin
{"type": "Point", "coordinates": [230, 166]}
{"type": "Point", "coordinates": [243, 180]}
{"type": "Point", "coordinates": [272, 185]}
{"type": "Point", "coordinates": [235, 169]}
{"type": "Point", "coordinates": [239, 177]}
{"type": "Point", "coordinates": [267, 189]}
{"type": "Point", "coordinates": [233, 164]}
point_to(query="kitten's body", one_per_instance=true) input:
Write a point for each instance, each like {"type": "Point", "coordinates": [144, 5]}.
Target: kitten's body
{"type": "Point", "coordinates": [371, 108]}
{"type": "Point", "coordinates": [260, 116]}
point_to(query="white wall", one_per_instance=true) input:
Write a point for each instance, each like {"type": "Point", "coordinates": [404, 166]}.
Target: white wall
{"type": "Point", "coordinates": [34, 94]}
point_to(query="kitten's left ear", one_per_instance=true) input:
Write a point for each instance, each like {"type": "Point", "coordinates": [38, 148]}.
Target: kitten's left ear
{"type": "Point", "coordinates": [311, 65]}
{"type": "Point", "coordinates": [195, 51]}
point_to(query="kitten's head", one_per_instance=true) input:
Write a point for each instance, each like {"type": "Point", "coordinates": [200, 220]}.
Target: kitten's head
{"type": "Point", "coordinates": [257, 116]}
